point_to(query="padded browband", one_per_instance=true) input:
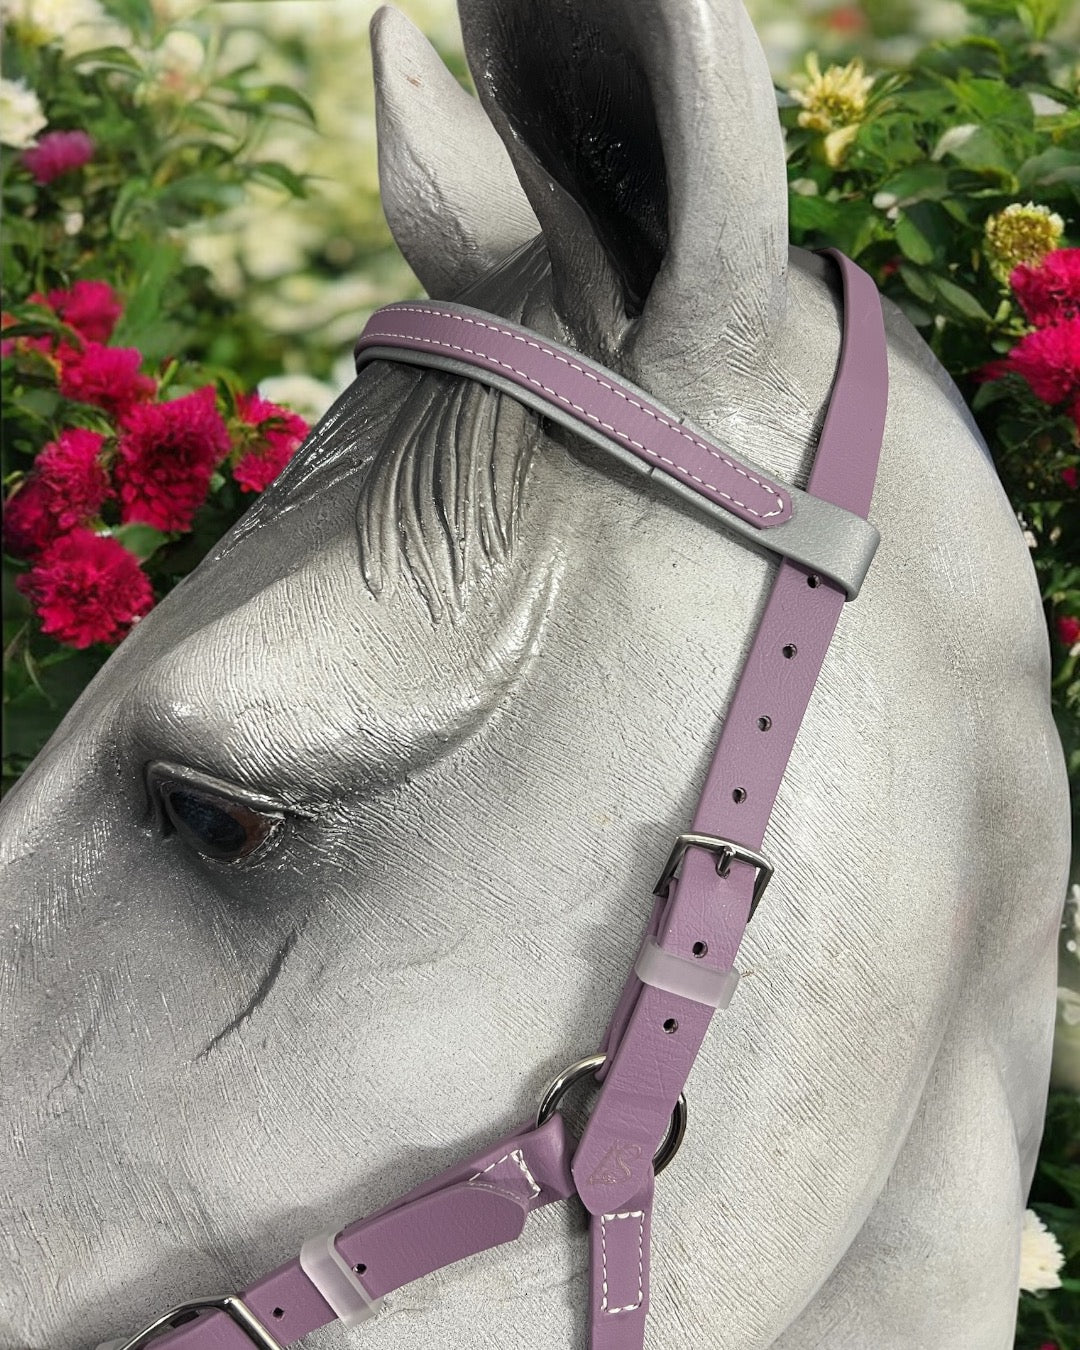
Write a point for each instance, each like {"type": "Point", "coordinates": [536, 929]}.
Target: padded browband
{"type": "Point", "coordinates": [628, 423]}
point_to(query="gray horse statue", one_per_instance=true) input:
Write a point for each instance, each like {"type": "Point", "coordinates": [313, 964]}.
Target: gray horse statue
{"type": "Point", "coordinates": [349, 847]}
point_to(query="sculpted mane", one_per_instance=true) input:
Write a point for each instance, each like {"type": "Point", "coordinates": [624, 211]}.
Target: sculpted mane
{"type": "Point", "coordinates": [441, 465]}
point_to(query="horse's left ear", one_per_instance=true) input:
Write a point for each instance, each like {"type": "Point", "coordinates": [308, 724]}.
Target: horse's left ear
{"type": "Point", "coordinates": [448, 189]}
{"type": "Point", "coordinates": [646, 137]}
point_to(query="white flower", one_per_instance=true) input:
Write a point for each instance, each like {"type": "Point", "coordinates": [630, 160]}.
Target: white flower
{"type": "Point", "coordinates": [73, 222]}
{"type": "Point", "coordinates": [21, 117]}
{"type": "Point", "coordinates": [1040, 1255]}
{"type": "Point", "coordinates": [1071, 923]}
{"type": "Point", "coordinates": [943, 19]}
{"type": "Point", "coordinates": [175, 67]}
{"type": "Point", "coordinates": [302, 393]}
{"type": "Point", "coordinates": [1042, 105]}
{"type": "Point", "coordinates": [44, 21]}
{"type": "Point", "coordinates": [953, 139]}
{"type": "Point", "coordinates": [78, 25]}
{"type": "Point", "coordinates": [173, 11]}
{"type": "Point", "coordinates": [89, 37]}
{"type": "Point", "coordinates": [805, 187]}
{"type": "Point", "coordinates": [1068, 1006]}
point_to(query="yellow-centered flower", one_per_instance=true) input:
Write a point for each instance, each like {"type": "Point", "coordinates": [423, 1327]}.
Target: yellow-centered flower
{"type": "Point", "coordinates": [833, 103]}
{"type": "Point", "coordinates": [1021, 234]}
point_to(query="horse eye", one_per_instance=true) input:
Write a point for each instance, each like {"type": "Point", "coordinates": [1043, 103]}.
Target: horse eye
{"type": "Point", "coordinates": [216, 826]}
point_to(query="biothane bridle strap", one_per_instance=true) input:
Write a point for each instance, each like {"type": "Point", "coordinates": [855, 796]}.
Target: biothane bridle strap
{"type": "Point", "coordinates": [709, 888]}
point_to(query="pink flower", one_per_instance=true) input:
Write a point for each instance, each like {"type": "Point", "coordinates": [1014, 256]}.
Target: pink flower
{"type": "Point", "coordinates": [280, 434]}
{"type": "Point", "coordinates": [1049, 360]}
{"type": "Point", "coordinates": [9, 346]}
{"type": "Point", "coordinates": [166, 456]}
{"type": "Point", "coordinates": [1068, 629]}
{"type": "Point", "coordinates": [1068, 477]}
{"type": "Point", "coordinates": [30, 524]}
{"type": "Point", "coordinates": [68, 487]}
{"type": "Point", "coordinates": [108, 377]}
{"type": "Point", "coordinates": [1049, 292]}
{"type": "Point", "coordinates": [87, 588]}
{"type": "Point", "coordinates": [71, 470]}
{"type": "Point", "coordinates": [58, 152]}
{"type": "Point", "coordinates": [90, 307]}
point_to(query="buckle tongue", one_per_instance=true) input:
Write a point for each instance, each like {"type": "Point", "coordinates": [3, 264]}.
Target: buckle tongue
{"type": "Point", "coordinates": [725, 851]}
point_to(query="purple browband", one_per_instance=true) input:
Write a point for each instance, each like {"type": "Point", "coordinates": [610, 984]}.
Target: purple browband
{"type": "Point", "coordinates": [704, 901]}
{"type": "Point", "coordinates": [589, 393]}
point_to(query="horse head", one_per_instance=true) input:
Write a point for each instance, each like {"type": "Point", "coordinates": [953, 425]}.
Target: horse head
{"type": "Point", "coordinates": [349, 847]}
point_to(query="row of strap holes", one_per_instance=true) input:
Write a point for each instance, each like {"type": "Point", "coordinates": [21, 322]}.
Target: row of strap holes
{"type": "Point", "coordinates": [739, 795]}
{"type": "Point", "coordinates": [359, 1268]}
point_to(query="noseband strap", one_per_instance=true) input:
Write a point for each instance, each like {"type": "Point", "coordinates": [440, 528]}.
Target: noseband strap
{"type": "Point", "coordinates": [715, 876]}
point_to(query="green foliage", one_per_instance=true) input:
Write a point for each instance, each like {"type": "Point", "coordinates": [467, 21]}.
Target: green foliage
{"type": "Point", "coordinates": [176, 132]}
{"type": "Point", "coordinates": [1054, 1315]}
{"type": "Point", "coordinates": [943, 145]}
{"type": "Point", "coordinates": [968, 128]}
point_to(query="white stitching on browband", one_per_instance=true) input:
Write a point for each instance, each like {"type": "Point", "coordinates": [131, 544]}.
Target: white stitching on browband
{"type": "Point", "coordinates": [515, 1155]}
{"type": "Point", "coordinates": [613, 389]}
{"type": "Point", "coordinates": [638, 1214]}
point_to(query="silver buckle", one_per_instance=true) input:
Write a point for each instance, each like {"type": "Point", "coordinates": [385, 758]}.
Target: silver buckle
{"type": "Point", "coordinates": [244, 1318]}
{"type": "Point", "coordinates": [725, 851]}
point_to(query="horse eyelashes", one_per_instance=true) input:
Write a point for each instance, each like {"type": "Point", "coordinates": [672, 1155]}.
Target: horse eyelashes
{"type": "Point", "coordinates": [212, 823]}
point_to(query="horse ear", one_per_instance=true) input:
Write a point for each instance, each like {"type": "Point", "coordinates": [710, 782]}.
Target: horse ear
{"type": "Point", "coordinates": [647, 140]}
{"type": "Point", "coordinates": [451, 199]}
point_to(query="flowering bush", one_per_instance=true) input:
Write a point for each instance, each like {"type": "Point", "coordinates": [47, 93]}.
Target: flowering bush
{"type": "Point", "coordinates": [954, 182]}
{"type": "Point", "coordinates": [130, 440]}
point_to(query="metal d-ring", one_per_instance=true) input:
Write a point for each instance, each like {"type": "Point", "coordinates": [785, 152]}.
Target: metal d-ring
{"type": "Point", "coordinates": [563, 1082]}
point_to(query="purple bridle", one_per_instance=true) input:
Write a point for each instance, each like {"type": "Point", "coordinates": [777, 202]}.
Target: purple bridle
{"type": "Point", "coordinates": [707, 893]}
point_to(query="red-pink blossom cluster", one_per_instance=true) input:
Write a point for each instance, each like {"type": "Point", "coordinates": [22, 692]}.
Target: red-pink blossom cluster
{"type": "Point", "coordinates": [57, 153]}
{"type": "Point", "coordinates": [154, 466]}
{"type": "Point", "coordinates": [1048, 357]}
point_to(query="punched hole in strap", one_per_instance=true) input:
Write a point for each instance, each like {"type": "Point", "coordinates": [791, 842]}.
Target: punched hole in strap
{"type": "Point", "coordinates": [685, 976]}
{"type": "Point", "coordinates": [336, 1280]}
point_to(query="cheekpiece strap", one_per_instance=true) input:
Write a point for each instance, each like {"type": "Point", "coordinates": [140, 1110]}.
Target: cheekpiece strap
{"type": "Point", "coordinates": [704, 908]}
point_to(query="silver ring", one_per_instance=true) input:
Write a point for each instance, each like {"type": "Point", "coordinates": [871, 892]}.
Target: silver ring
{"type": "Point", "coordinates": [563, 1082]}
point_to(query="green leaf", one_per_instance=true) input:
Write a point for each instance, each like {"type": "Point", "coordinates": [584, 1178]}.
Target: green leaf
{"type": "Point", "coordinates": [961, 303]}
{"type": "Point", "coordinates": [154, 262]}
{"type": "Point", "coordinates": [142, 540]}
{"type": "Point", "coordinates": [920, 182]}
{"type": "Point", "coordinates": [1056, 165]}
{"type": "Point", "coordinates": [919, 284]}
{"type": "Point", "coordinates": [108, 58]}
{"type": "Point", "coordinates": [994, 102]}
{"type": "Point", "coordinates": [984, 152]}
{"type": "Point", "coordinates": [282, 94]}
{"type": "Point", "coordinates": [913, 243]}
{"type": "Point", "coordinates": [135, 195]}
{"type": "Point", "coordinates": [280, 174]}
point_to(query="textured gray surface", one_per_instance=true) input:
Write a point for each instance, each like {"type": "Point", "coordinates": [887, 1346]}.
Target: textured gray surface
{"type": "Point", "coordinates": [482, 673]}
